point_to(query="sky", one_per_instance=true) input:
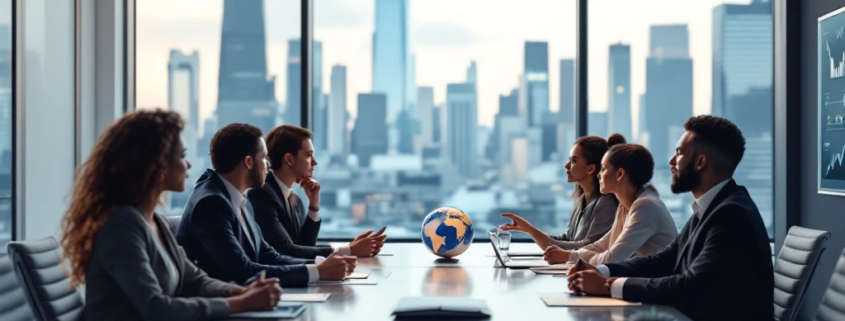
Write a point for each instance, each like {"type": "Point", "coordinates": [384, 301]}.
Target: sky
{"type": "Point", "coordinates": [446, 35]}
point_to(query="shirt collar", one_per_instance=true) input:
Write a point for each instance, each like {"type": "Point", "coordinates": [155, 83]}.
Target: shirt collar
{"type": "Point", "coordinates": [238, 199]}
{"type": "Point", "coordinates": [700, 205]}
{"type": "Point", "coordinates": [285, 189]}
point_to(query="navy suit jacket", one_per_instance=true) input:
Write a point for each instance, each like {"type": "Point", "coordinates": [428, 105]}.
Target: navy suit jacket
{"type": "Point", "coordinates": [720, 271]}
{"type": "Point", "coordinates": [212, 237]}
{"type": "Point", "coordinates": [278, 225]}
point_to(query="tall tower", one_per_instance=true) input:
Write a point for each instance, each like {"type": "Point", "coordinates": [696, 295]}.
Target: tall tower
{"type": "Point", "coordinates": [393, 63]}
{"type": "Point", "coordinates": [536, 73]}
{"type": "Point", "coordinates": [183, 95]}
{"type": "Point", "coordinates": [337, 111]}
{"type": "Point", "coordinates": [619, 90]}
{"type": "Point", "coordinates": [461, 128]}
{"type": "Point", "coordinates": [668, 88]}
{"type": "Point", "coordinates": [245, 94]}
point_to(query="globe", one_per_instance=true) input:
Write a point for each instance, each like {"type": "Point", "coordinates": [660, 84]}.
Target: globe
{"type": "Point", "coordinates": [447, 232]}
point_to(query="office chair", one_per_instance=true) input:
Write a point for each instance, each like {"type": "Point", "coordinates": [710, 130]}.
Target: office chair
{"type": "Point", "coordinates": [173, 221]}
{"type": "Point", "coordinates": [46, 286]}
{"type": "Point", "coordinates": [794, 268]}
{"type": "Point", "coordinates": [833, 304]}
{"type": "Point", "coordinates": [13, 306]}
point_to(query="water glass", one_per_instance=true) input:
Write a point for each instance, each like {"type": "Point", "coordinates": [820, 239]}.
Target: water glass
{"type": "Point", "coordinates": [504, 240]}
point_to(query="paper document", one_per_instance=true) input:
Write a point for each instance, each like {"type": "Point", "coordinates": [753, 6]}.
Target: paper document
{"type": "Point", "coordinates": [580, 300]}
{"type": "Point", "coordinates": [558, 267]}
{"type": "Point", "coordinates": [550, 272]}
{"type": "Point", "coordinates": [347, 282]}
{"type": "Point", "coordinates": [285, 310]}
{"type": "Point", "coordinates": [305, 297]}
{"type": "Point", "coordinates": [358, 275]}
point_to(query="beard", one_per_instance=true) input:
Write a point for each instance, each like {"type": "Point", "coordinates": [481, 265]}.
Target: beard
{"type": "Point", "coordinates": [687, 179]}
{"type": "Point", "coordinates": [256, 178]}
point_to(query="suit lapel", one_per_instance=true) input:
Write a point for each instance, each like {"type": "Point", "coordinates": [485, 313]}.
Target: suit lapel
{"type": "Point", "coordinates": [172, 249]}
{"type": "Point", "coordinates": [221, 187]}
{"type": "Point", "coordinates": [276, 191]}
{"type": "Point", "coordinates": [253, 231]}
{"type": "Point", "coordinates": [692, 235]}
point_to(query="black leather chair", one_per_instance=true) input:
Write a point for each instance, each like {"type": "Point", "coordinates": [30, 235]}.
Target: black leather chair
{"type": "Point", "coordinates": [47, 288]}
{"type": "Point", "coordinates": [832, 307]}
{"type": "Point", "coordinates": [794, 268]}
{"type": "Point", "coordinates": [173, 221]}
{"type": "Point", "coordinates": [13, 306]}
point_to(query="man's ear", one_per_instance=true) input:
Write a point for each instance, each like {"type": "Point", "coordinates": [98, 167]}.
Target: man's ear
{"type": "Point", "coordinates": [700, 162]}
{"type": "Point", "coordinates": [249, 161]}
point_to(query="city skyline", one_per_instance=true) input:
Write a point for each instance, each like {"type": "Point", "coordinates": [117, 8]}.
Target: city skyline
{"type": "Point", "coordinates": [345, 25]}
{"type": "Point", "coordinates": [521, 153]}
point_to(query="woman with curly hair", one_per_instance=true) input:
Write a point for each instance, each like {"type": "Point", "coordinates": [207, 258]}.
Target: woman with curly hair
{"type": "Point", "coordinates": [123, 251]}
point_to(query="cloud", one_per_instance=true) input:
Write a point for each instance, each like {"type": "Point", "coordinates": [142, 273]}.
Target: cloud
{"type": "Point", "coordinates": [443, 34]}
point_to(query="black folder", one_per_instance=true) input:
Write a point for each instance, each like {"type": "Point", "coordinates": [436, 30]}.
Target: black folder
{"type": "Point", "coordinates": [410, 308]}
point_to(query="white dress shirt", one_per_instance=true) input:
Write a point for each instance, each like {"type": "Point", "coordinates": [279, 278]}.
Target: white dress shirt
{"type": "Point", "coordinates": [699, 206]}
{"type": "Point", "coordinates": [239, 200]}
{"type": "Point", "coordinates": [314, 216]}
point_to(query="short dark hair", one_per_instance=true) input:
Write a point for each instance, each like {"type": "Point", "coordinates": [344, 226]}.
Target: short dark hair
{"type": "Point", "coordinates": [231, 144]}
{"type": "Point", "coordinates": [720, 139]}
{"type": "Point", "coordinates": [285, 139]}
{"type": "Point", "coordinates": [635, 159]}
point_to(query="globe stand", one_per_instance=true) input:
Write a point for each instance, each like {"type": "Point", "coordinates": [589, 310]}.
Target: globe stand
{"type": "Point", "coordinates": [446, 260]}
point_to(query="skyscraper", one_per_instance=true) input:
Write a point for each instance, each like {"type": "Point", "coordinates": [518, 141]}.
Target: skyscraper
{"type": "Point", "coordinates": [567, 91]}
{"type": "Point", "coordinates": [619, 90]}
{"type": "Point", "coordinates": [337, 111]}
{"type": "Point", "coordinates": [425, 108]}
{"type": "Point", "coordinates": [369, 136]}
{"type": "Point", "coordinates": [5, 92]}
{"type": "Point", "coordinates": [597, 123]}
{"type": "Point", "coordinates": [245, 94]}
{"type": "Point", "coordinates": [393, 62]}
{"type": "Point", "coordinates": [319, 109]}
{"type": "Point", "coordinates": [668, 87]}
{"type": "Point", "coordinates": [508, 107]}
{"type": "Point", "coordinates": [742, 91]}
{"type": "Point", "coordinates": [293, 101]}
{"type": "Point", "coordinates": [742, 65]}
{"type": "Point", "coordinates": [183, 95]}
{"type": "Point", "coordinates": [462, 120]}
{"type": "Point", "coordinates": [536, 73]}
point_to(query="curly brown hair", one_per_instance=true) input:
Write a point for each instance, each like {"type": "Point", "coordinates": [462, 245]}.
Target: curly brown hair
{"type": "Point", "coordinates": [125, 167]}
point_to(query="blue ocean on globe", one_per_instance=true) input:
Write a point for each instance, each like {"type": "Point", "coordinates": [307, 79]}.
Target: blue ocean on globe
{"type": "Point", "coordinates": [447, 232]}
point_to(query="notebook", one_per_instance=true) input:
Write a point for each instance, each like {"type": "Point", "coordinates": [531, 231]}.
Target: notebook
{"type": "Point", "coordinates": [285, 310]}
{"type": "Point", "coordinates": [441, 307]}
{"type": "Point", "coordinates": [569, 299]}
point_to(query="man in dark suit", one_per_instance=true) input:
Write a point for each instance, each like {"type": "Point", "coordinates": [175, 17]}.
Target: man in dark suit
{"type": "Point", "coordinates": [279, 211]}
{"type": "Point", "coordinates": [218, 231]}
{"type": "Point", "coordinates": [720, 266]}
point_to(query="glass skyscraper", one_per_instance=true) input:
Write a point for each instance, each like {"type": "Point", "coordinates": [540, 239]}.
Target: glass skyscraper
{"type": "Point", "coordinates": [370, 134]}
{"type": "Point", "coordinates": [536, 73]}
{"type": "Point", "coordinates": [668, 102]}
{"type": "Point", "coordinates": [245, 94]}
{"type": "Point", "coordinates": [619, 90]}
{"type": "Point", "coordinates": [393, 62]}
{"type": "Point", "coordinates": [462, 120]}
{"type": "Point", "coordinates": [742, 91]}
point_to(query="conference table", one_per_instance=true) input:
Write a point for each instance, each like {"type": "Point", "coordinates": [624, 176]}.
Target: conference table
{"type": "Point", "coordinates": [410, 270]}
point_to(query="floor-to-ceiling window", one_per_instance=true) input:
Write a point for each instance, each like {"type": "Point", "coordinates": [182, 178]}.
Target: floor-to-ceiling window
{"type": "Point", "coordinates": [653, 64]}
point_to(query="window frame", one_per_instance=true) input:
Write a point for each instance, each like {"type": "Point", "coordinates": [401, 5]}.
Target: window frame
{"type": "Point", "coordinates": [785, 214]}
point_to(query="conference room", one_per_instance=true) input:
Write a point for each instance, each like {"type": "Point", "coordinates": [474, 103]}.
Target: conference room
{"type": "Point", "coordinates": [473, 159]}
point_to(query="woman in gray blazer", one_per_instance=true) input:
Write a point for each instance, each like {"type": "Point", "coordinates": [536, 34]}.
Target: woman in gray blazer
{"type": "Point", "coordinates": [593, 212]}
{"type": "Point", "coordinates": [643, 225]}
{"type": "Point", "coordinates": [123, 251]}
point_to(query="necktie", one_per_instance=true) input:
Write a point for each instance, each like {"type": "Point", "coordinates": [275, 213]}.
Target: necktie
{"type": "Point", "coordinates": [293, 201]}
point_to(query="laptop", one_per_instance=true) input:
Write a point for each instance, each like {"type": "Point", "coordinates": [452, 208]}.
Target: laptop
{"type": "Point", "coordinates": [516, 264]}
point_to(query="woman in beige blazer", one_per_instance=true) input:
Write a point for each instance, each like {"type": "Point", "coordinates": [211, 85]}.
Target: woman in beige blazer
{"type": "Point", "coordinates": [643, 225]}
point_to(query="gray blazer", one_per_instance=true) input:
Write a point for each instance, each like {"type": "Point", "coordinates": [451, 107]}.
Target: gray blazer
{"type": "Point", "coordinates": [589, 226]}
{"type": "Point", "coordinates": [126, 274]}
